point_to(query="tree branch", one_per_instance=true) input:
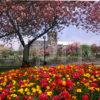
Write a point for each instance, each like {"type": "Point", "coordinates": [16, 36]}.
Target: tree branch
{"type": "Point", "coordinates": [38, 36]}
{"type": "Point", "coordinates": [16, 30]}
{"type": "Point", "coordinates": [5, 35]}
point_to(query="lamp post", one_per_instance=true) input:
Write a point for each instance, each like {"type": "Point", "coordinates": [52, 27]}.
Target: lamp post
{"type": "Point", "coordinates": [44, 37]}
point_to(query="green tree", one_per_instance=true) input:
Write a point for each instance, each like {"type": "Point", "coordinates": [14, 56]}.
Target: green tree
{"type": "Point", "coordinates": [86, 51]}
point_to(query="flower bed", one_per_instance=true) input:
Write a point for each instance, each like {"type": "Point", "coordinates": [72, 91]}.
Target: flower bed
{"type": "Point", "coordinates": [70, 82]}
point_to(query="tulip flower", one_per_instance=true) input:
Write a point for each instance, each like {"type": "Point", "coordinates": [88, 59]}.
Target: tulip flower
{"type": "Point", "coordinates": [55, 98]}
{"type": "Point", "coordinates": [85, 97]}
{"type": "Point", "coordinates": [44, 83]}
{"type": "Point", "coordinates": [69, 83]}
{"type": "Point", "coordinates": [43, 96]}
{"type": "Point", "coordinates": [76, 75]}
{"type": "Point", "coordinates": [54, 83]}
{"type": "Point", "coordinates": [65, 95]}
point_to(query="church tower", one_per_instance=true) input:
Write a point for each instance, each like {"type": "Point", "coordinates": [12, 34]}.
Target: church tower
{"type": "Point", "coordinates": [52, 38]}
{"type": "Point", "coordinates": [52, 43]}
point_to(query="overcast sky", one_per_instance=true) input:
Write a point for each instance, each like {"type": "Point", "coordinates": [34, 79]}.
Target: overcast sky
{"type": "Point", "coordinates": [72, 34]}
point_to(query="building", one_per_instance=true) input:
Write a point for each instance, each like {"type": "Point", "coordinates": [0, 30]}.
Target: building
{"type": "Point", "coordinates": [37, 47]}
{"type": "Point", "coordinates": [4, 50]}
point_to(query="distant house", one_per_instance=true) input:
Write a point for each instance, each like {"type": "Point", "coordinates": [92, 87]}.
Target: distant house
{"type": "Point", "coordinates": [4, 48]}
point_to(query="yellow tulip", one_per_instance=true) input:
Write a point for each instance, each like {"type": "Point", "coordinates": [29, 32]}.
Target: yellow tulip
{"type": "Point", "coordinates": [21, 90]}
{"type": "Point", "coordinates": [87, 75]}
{"type": "Point", "coordinates": [26, 89]}
{"type": "Point", "coordinates": [38, 87]}
{"type": "Point", "coordinates": [48, 87]}
{"type": "Point", "coordinates": [74, 98]}
{"type": "Point", "coordinates": [98, 89]}
{"type": "Point", "coordinates": [13, 95]}
{"type": "Point", "coordinates": [49, 93]}
{"type": "Point", "coordinates": [0, 88]}
{"type": "Point", "coordinates": [33, 90]}
{"type": "Point", "coordinates": [79, 90]}
{"type": "Point", "coordinates": [39, 91]}
{"type": "Point", "coordinates": [30, 84]}
{"type": "Point", "coordinates": [28, 93]}
{"type": "Point", "coordinates": [4, 83]}
{"type": "Point", "coordinates": [14, 82]}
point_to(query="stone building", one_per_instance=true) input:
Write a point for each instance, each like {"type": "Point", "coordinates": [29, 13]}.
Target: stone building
{"type": "Point", "coordinates": [52, 43]}
{"type": "Point", "coordinates": [37, 47]}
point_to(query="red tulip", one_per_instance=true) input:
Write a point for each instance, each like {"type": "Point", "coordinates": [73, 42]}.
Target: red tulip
{"type": "Point", "coordinates": [43, 96]}
{"type": "Point", "coordinates": [68, 67]}
{"type": "Point", "coordinates": [65, 95]}
{"type": "Point", "coordinates": [2, 96]}
{"type": "Point", "coordinates": [10, 86]}
{"type": "Point", "coordinates": [84, 80]}
{"type": "Point", "coordinates": [44, 83]}
{"type": "Point", "coordinates": [69, 83]}
{"type": "Point", "coordinates": [17, 98]}
{"type": "Point", "coordinates": [94, 85]}
{"type": "Point", "coordinates": [25, 97]}
{"type": "Point", "coordinates": [57, 77]}
{"type": "Point", "coordinates": [5, 92]}
{"type": "Point", "coordinates": [53, 84]}
{"type": "Point", "coordinates": [46, 75]}
{"type": "Point", "coordinates": [85, 97]}
{"type": "Point", "coordinates": [29, 98]}
{"type": "Point", "coordinates": [76, 75]}
{"type": "Point", "coordinates": [55, 98]}
{"type": "Point", "coordinates": [30, 77]}
{"type": "Point", "coordinates": [59, 82]}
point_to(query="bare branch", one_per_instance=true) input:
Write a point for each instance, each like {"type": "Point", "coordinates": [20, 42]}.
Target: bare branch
{"type": "Point", "coordinates": [5, 35]}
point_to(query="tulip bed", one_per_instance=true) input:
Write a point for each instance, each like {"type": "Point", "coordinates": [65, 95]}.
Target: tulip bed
{"type": "Point", "coordinates": [62, 82]}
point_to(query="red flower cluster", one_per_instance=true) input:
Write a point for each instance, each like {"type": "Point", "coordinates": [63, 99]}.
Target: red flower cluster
{"type": "Point", "coordinates": [70, 82]}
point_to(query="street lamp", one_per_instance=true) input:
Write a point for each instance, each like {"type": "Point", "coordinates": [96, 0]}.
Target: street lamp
{"type": "Point", "coordinates": [44, 63]}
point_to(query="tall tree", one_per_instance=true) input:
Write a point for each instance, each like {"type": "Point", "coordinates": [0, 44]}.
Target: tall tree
{"type": "Point", "coordinates": [33, 19]}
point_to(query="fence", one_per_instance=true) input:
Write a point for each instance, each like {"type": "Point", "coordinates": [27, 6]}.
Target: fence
{"type": "Point", "coordinates": [51, 60]}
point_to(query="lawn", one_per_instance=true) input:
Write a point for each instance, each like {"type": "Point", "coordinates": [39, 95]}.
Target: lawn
{"type": "Point", "coordinates": [62, 82]}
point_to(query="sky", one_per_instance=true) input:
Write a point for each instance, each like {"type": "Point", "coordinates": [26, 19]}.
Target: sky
{"type": "Point", "coordinates": [72, 34]}
{"type": "Point", "coordinates": [69, 35]}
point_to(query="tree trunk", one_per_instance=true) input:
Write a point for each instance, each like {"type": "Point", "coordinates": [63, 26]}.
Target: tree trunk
{"type": "Point", "coordinates": [25, 62]}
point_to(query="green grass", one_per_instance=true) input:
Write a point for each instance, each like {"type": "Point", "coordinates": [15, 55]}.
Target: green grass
{"type": "Point", "coordinates": [3, 70]}
{"type": "Point", "coordinates": [7, 69]}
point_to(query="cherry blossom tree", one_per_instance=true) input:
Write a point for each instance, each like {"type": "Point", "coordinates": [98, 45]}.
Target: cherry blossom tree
{"type": "Point", "coordinates": [33, 19]}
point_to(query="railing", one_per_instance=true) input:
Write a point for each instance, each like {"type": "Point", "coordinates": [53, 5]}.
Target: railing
{"type": "Point", "coordinates": [50, 60]}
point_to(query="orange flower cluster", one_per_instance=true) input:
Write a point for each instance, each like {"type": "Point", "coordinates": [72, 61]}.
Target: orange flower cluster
{"type": "Point", "coordinates": [62, 82]}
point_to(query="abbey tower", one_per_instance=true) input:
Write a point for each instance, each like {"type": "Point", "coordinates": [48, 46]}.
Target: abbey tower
{"type": "Point", "coordinates": [52, 38]}
{"type": "Point", "coordinates": [52, 42]}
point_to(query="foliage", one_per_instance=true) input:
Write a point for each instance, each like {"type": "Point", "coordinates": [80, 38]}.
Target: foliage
{"type": "Point", "coordinates": [21, 19]}
{"type": "Point", "coordinates": [86, 51]}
